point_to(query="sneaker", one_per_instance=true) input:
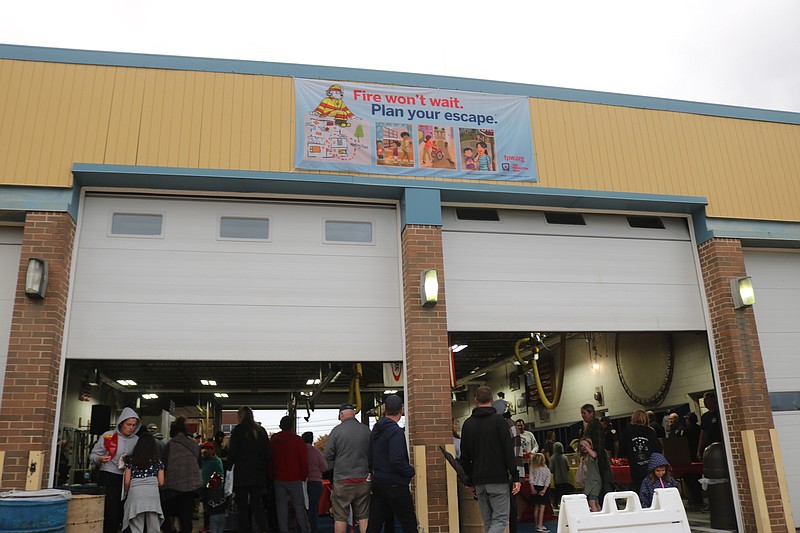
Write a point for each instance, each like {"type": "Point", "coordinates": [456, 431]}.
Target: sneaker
{"type": "Point", "coordinates": [542, 529]}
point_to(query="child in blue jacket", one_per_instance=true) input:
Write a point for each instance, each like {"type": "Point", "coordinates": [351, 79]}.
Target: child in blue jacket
{"type": "Point", "coordinates": [659, 477]}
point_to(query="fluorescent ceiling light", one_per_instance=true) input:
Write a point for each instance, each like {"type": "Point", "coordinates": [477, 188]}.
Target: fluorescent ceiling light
{"type": "Point", "coordinates": [312, 381]}
{"type": "Point", "coordinates": [127, 382]}
{"type": "Point", "coordinates": [220, 394]}
{"type": "Point", "coordinates": [209, 382]}
{"type": "Point", "coordinates": [458, 347]}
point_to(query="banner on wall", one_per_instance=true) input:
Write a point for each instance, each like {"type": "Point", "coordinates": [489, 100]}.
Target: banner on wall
{"type": "Point", "coordinates": [393, 375]}
{"type": "Point", "coordinates": [385, 129]}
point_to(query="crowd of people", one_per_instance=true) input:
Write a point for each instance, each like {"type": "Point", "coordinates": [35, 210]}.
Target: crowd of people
{"type": "Point", "coordinates": [498, 456]}
{"type": "Point", "coordinates": [153, 484]}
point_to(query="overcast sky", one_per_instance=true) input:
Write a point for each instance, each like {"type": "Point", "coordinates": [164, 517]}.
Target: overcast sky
{"type": "Point", "coordinates": [737, 52]}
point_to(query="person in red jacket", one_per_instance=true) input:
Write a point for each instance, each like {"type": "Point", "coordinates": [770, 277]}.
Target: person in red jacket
{"type": "Point", "coordinates": [289, 470]}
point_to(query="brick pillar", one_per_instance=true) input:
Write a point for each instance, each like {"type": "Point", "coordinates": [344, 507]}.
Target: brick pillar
{"type": "Point", "coordinates": [743, 393]}
{"type": "Point", "coordinates": [28, 410]}
{"type": "Point", "coordinates": [427, 364]}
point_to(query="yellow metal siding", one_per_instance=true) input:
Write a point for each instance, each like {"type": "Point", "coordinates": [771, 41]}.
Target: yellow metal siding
{"type": "Point", "coordinates": [54, 115]}
{"type": "Point", "coordinates": [746, 169]}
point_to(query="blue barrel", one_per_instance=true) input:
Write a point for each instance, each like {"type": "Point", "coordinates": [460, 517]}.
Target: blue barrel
{"type": "Point", "coordinates": [36, 511]}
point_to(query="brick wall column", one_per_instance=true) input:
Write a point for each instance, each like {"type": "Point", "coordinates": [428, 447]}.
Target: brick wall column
{"type": "Point", "coordinates": [743, 392]}
{"type": "Point", "coordinates": [28, 410]}
{"type": "Point", "coordinates": [427, 364]}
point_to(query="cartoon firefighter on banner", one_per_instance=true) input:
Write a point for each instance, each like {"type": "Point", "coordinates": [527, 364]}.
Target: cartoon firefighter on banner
{"type": "Point", "coordinates": [333, 106]}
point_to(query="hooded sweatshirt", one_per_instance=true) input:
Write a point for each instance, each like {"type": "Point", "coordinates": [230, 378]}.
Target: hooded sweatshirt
{"type": "Point", "coordinates": [559, 464]}
{"type": "Point", "coordinates": [124, 445]}
{"type": "Point", "coordinates": [388, 455]}
{"type": "Point", "coordinates": [487, 453]}
{"type": "Point", "coordinates": [653, 482]}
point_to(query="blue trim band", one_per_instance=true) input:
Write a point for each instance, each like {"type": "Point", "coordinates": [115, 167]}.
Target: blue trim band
{"type": "Point", "coordinates": [89, 57]}
{"type": "Point", "coordinates": [420, 200]}
{"type": "Point", "coordinates": [754, 233]}
{"type": "Point", "coordinates": [421, 206]}
{"type": "Point", "coordinates": [241, 181]}
{"type": "Point", "coordinates": [40, 199]}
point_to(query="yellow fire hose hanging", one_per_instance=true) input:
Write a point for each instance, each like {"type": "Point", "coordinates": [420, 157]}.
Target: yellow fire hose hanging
{"type": "Point", "coordinates": [354, 396]}
{"type": "Point", "coordinates": [559, 382]}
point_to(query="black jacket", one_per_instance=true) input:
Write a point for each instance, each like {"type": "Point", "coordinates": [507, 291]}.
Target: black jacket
{"type": "Point", "coordinates": [637, 443]}
{"type": "Point", "coordinates": [487, 452]}
{"type": "Point", "coordinates": [250, 457]}
{"type": "Point", "coordinates": [388, 454]}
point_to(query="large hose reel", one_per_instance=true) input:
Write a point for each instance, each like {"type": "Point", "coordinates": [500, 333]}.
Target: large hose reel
{"type": "Point", "coordinates": [533, 364]}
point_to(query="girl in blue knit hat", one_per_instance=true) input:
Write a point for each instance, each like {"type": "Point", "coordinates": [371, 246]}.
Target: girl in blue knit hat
{"type": "Point", "coordinates": [660, 477]}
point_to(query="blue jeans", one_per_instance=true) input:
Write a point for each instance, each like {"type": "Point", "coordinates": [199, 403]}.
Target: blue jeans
{"type": "Point", "coordinates": [494, 500]}
{"type": "Point", "coordinates": [314, 489]}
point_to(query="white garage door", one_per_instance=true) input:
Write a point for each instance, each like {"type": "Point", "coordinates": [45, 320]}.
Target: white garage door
{"type": "Point", "coordinates": [776, 278]}
{"type": "Point", "coordinates": [567, 272]}
{"type": "Point", "coordinates": [10, 247]}
{"type": "Point", "coordinates": [191, 279]}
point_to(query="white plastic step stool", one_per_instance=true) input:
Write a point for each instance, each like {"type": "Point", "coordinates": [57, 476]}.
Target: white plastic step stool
{"type": "Point", "coordinates": [666, 515]}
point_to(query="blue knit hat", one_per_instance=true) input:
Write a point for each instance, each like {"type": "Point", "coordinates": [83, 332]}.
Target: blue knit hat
{"type": "Point", "coordinates": [656, 460]}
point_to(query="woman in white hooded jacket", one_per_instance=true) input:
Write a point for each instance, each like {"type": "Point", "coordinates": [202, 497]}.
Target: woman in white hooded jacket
{"type": "Point", "coordinates": [108, 454]}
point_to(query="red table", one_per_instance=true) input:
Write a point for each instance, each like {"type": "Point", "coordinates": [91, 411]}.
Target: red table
{"type": "Point", "coordinates": [691, 468]}
{"type": "Point", "coordinates": [622, 474]}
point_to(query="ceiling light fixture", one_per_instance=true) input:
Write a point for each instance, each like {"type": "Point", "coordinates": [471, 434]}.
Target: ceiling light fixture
{"type": "Point", "coordinates": [220, 394]}
{"type": "Point", "coordinates": [313, 381]}
{"type": "Point", "coordinates": [150, 396]}
{"type": "Point", "coordinates": [127, 382]}
{"type": "Point", "coordinates": [208, 382]}
{"type": "Point", "coordinates": [458, 347]}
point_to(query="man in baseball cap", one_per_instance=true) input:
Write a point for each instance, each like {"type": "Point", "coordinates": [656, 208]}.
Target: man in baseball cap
{"type": "Point", "coordinates": [347, 452]}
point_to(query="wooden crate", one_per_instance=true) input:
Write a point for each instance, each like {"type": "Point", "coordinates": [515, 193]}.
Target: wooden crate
{"type": "Point", "coordinates": [85, 513]}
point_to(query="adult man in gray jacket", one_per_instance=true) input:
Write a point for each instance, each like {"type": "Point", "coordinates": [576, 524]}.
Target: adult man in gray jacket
{"type": "Point", "coordinates": [347, 451]}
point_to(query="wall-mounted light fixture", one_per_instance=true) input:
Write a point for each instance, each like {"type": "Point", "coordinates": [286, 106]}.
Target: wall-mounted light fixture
{"type": "Point", "coordinates": [429, 287]}
{"type": "Point", "coordinates": [742, 292]}
{"type": "Point", "coordinates": [36, 278]}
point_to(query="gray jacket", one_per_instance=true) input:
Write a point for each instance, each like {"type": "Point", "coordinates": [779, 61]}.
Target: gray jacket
{"type": "Point", "coordinates": [125, 444]}
{"type": "Point", "coordinates": [347, 450]}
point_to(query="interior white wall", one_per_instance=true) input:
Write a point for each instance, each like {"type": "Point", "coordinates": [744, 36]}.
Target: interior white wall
{"type": "Point", "coordinates": [692, 375]}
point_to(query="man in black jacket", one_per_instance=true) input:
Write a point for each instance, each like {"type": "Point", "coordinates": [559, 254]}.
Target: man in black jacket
{"type": "Point", "coordinates": [391, 472]}
{"type": "Point", "coordinates": [487, 456]}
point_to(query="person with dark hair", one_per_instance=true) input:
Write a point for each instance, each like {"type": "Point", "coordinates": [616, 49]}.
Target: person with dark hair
{"type": "Point", "coordinates": [144, 474]}
{"type": "Point", "coordinates": [594, 430]}
{"type": "Point", "coordinates": [219, 442]}
{"type": "Point", "coordinates": [182, 478]}
{"type": "Point", "coordinates": [391, 471]}
{"type": "Point", "coordinates": [691, 430]}
{"type": "Point", "coordinates": [316, 466]}
{"type": "Point", "coordinates": [487, 456]}
{"type": "Point", "coordinates": [249, 454]}
{"type": "Point", "coordinates": [289, 470]}
{"type": "Point", "coordinates": [710, 424]}
{"type": "Point", "coordinates": [610, 437]}
{"type": "Point", "coordinates": [209, 465]}
{"type": "Point", "coordinates": [108, 453]}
